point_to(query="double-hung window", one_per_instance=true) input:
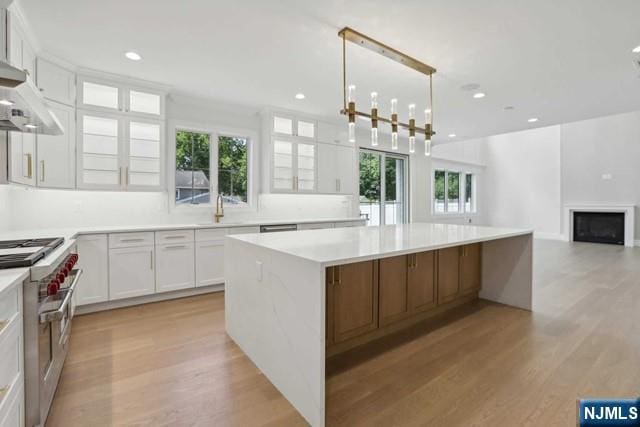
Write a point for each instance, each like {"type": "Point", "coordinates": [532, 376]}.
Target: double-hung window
{"type": "Point", "coordinates": [454, 192]}
{"type": "Point", "coordinates": [208, 164]}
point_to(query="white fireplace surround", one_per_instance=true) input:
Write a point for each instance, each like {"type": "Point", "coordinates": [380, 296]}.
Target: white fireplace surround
{"type": "Point", "coordinates": [629, 219]}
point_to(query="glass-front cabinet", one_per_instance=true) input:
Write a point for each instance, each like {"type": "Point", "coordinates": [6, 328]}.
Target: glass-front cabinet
{"type": "Point", "coordinates": [121, 136]}
{"type": "Point", "coordinates": [294, 154]}
{"type": "Point", "coordinates": [294, 166]}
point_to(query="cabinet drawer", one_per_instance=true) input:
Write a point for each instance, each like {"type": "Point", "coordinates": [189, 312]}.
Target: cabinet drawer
{"type": "Point", "coordinates": [10, 355]}
{"type": "Point", "coordinates": [244, 230]}
{"type": "Point", "coordinates": [348, 224]}
{"type": "Point", "coordinates": [12, 406]}
{"type": "Point", "coordinates": [129, 240]}
{"type": "Point", "coordinates": [207, 234]}
{"type": "Point", "coordinates": [10, 305]}
{"type": "Point", "coordinates": [315, 226]}
{"type": "Point", "coordinates": [173, 236]}
{"type": "Point", "coordinates": [175, 267]}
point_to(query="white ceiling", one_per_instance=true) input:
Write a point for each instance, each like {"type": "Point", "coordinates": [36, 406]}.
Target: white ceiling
{"type": "Point", "coordinates": [557, 60]}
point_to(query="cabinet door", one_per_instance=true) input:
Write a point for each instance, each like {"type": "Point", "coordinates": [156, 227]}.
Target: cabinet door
{"type": "Point", "coordinates": [470, 264]}
{"type": "Point", "coordinates": [448, 274]}
{"type": "Point", "coordinates": [99, 163]}
{"type": "Point", "coordinates": [131, 272]}
{"type": "Point", "coordinates": [210, 262]}
{"type": "Point", "coordinates": [143, 165]}
{"type": "Point", "coordinates": [98, 95]}
{"type": "Point", "coordinates": [282, 177]}
{"type": "Point", "coordinates": [56, 153]}
{"type": "Point", "coordinates": [354, 299]}
{"type": "Point", "coordinates": [345, 168]}
{"type": "Point", "coordinates": [23, 159]}
{"type": "Point", "coordinates": [56, 83]}
{"type": "Point", "coordinates": [15, 43]}
{"type": "Point", "coordinates": [421, 281]}
{"type": "Point", "coordinates": [305, 167]}
{"type": "Point", "coordinates": [283, 125]}
{"type": "Point", "coordinates": [393, 289]}
{"type": "Point", "coordinates": [327, 178]}
{"type": "Point", "coordinates": [306, 129]}
{"type": "Point", "coordinates": [93, 256]}
{"type": "Point", "coordinates": [175, 267]}
{"type": "Point", "coordinates": [145, 103]}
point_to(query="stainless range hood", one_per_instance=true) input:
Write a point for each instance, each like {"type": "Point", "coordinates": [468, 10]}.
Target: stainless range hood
{"type": "Point", "coordinates": [22, 106]}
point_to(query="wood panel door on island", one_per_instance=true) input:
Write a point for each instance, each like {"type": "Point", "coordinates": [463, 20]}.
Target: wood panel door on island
{"type": "Point", "coordinates": [470, 265]}
{"type": "Point", "coordinates": [448, 274]}
{"type": "Point", "coordinates": [352, 300]}
{"type": "Point", "coordinates": [393, 294]}
{"type": "Point", "coordinates": [421, 281]}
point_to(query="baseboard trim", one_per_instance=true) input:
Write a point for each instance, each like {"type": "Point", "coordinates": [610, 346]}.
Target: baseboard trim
{"type": "Point", "coordinates": [548, 236]}
{"type": "Point", "coordinates": [146, 299]}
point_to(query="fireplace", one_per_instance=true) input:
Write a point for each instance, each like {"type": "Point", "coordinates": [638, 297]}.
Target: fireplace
{"type": "Point", "coordinates": [599, 227]}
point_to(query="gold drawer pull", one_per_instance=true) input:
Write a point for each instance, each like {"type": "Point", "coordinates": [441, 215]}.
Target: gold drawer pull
{"type": "Point", "coordinates": [3, 324]}
{"type": "Point", "coordinates": [3, 391]}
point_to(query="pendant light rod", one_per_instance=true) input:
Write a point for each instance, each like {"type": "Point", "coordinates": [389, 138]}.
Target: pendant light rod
{"type": "Point", "coordinates": [367, 42]}
{"type": "Point", "coordinates": [383, 120]}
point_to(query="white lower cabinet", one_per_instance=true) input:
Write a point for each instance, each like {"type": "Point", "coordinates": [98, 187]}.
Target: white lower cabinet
{"type": "Point", "coordinates": [11, 357]}
{"type": "Point", "coordinates": [93, 255]}
{"type": "Point", "coordinates": [175, 267]}
{"type": "Point", "coordinates": [210, 262]}
{"type": "Point", "coordinates": [131, 272]}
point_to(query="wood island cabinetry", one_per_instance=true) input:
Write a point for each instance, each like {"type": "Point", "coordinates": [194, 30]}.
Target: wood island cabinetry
{"type": "Point", "coordinates": [367, 300]}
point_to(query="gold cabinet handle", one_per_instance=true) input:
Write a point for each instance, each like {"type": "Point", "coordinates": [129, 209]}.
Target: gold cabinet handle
{"type": "Point", "coordinates": [42, 170]}
{"type": "Point", "coordinates": [336, 275]}
{"type": "Point", "coordinates": [120, 176]}
{"type": "Point", "coordinates": [4, 391]}
{"type": "Point", "coordinates": [29, 166]}
{"type": "Point", "coordinates": [415, 260]}
{"type": "Point", "coordinates": [330, 274]}
{"type": "Point", "coordinates": [151, 259]}
{"type": "Point", "coordinates": [126, 175]}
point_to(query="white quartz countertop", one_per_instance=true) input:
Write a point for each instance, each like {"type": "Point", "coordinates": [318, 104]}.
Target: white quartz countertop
{"type": "Point", "coordinates": [344, 245]}
{"type": "Point", "coordinates": [99, 229]}
{"type": "Point", "coordinates": [8, 278]}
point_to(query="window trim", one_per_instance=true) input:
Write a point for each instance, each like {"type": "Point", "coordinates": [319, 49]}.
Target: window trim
{"type": "Point", "coordinates": [215, 132]}
{"type": "Point", "coordinates": [462, 212]}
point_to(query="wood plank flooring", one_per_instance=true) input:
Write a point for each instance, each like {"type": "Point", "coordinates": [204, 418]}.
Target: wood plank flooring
{"type": "Point", "coordinates": [171, 363]}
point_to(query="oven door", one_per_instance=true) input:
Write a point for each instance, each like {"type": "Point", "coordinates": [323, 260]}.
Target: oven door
{"type": "Point", "coordinates": [56, 313]}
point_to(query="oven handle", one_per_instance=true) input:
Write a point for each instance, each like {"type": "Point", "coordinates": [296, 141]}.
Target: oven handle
{"type": "Point", "coordinates": [50, 316]}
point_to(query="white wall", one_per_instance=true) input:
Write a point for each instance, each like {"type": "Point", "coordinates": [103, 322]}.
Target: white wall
{"type": "Point", "coordinates": [603, 146]}
{"type": "Point", "coordinates": [522, 181]}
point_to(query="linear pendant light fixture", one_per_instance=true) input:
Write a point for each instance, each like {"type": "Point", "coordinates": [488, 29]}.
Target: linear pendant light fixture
{"type": "Point", "coordinates": [349, 103]}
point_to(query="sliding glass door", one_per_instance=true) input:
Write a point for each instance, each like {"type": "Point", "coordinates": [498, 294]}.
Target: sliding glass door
{"type": "Point", "coordinates": [383, 187]}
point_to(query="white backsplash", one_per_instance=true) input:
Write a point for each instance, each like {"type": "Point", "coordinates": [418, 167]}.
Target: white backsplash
{"type": "Point", "coordinates": [28, 208]}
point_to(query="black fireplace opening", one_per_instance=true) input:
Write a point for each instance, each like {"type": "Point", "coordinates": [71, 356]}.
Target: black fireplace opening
{"type": "Point", "coordinates": [599, 227]}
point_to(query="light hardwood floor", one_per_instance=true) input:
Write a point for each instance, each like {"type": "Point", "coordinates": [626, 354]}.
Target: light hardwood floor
{"type": "Point", "coordinates": [171, 363]}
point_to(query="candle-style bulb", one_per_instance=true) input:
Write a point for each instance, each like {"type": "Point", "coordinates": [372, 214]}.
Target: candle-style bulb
{"type": "Point", "coordinates": [352, 132]}
{"type": "Point", "coordinates": [352, 93]}
{"type": "Point", "coordinates": [374, 100]}
{"type": "Point", "coordinates": [412, 144]}
{"type": "Point", "coordinates": [394, 140]}
{"type": "Point", "coordinates": [394, 106]}
{"type": "Point", "coordinates": [427, 147]}
{"type": "Point", "coordinates": [374, 136]}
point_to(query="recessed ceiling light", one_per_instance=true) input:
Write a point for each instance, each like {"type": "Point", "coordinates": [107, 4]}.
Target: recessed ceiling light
{"type": "Point", "coordinates": [533, 120]}
{"type": "Point", "coordinates": [30, 126]}
{"type": "Point", "coordinates": [452, 135]}
{"type": "Point", "coordinates": [134, 56]}
{"type": "Point", "coordinates": [300, 96]}
{"type": "Point", "coordinates": [479, 95]}
{"type": "Point", "coordinates": [5, 102]}
{"type": "Point", "coordinates": [470, 87]}
{"type": "Point", "coordinates": [636, 49]}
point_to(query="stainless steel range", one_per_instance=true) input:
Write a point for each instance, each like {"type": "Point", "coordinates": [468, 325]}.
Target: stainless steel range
{"type": "Point", "coordinates": [48, 311]}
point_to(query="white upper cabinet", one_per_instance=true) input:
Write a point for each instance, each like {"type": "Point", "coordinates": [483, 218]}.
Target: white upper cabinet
{"type": "Point", "coordinates": [288, 125]}
{"type": "Point", "coordinates": [98, 95]}
{"type": "Point", "coordinates": [20, 52]}
{"type": "Point", "coordinates": [116, 152]}
{"type": "Point", "coordinates": [121, 136]}
{"type": "Point", "coordinates": [293, 166]}
{"type": "Point", "coordinates": [22, 156]}
{"type": "Point", "coordinates": [143, 167]}
{"type": "Point", "coordinates": [56, 153]}
{"type": "Point", "coordinates": [56, 83]}
{"type": "Point", "coordinates": [333, 134]}
{"type": "Point", "coordinates": [145, 103]}
{"type": "Point", "coordinates": [336, 169]}
{"type": "Point", "coordinates": [99, 157]}
{"type": "Point", "coordinates": [103, 95]}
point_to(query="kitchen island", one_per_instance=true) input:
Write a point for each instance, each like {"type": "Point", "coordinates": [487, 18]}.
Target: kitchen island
{"type": "Point", "coordinates": [294, 298]}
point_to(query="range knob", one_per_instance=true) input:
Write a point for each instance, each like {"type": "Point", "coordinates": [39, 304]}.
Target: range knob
{"type": "Point", "coordinates": [60, 276]}
{"type": "Point", "coordinates": [52, 287]}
